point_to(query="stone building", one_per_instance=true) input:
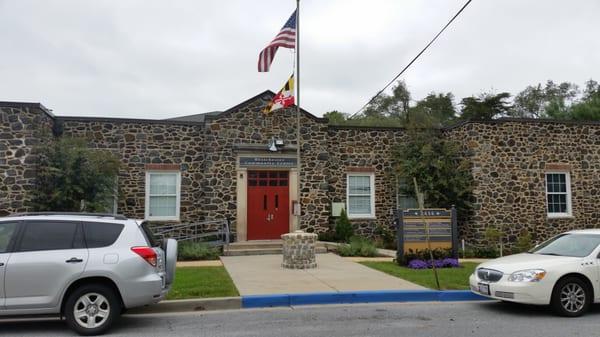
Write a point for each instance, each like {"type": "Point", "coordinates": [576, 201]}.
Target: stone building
{"type": "Point", "coordinates": [537, 174]}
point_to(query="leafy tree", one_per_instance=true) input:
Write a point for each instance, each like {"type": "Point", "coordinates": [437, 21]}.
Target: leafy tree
{"type": "Point", "coordinates": [443, 175]}
{"type": "Point", "coordinates": [486, 106]}
{"type": "Point", "coordinates": [586, 111]}
{"type": "Point", "coordinates": [335, 117]}
{"type": "Point", "coordinates": [535, 101]}
{"type": "Point", "coordinates": [586, 108]}
{"type": "Point", "coordinates": [395, 105]}
{"type": "Point", "coordinates": [592, 89]}
{"type": "Point", "coordinates": [530, 102]}
{"type": "Point", "coordinates": [435, 109]}
{"type": "Point", "coordinates": [73, 177]}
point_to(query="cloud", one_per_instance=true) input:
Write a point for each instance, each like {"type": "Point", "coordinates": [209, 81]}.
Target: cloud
{"type": "Point", "coordinates": [152, 59]}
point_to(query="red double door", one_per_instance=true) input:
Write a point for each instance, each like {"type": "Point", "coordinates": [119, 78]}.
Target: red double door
{"type": "Point", "coordinates": [268, 204]}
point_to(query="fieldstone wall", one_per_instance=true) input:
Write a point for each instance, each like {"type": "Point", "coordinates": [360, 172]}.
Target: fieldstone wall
{"type": "Point", "coordinates": [248, 125]}
{"type": "Point", "coordinates": [355, 149]}
{"type": "Point", "coordinates": [148, 144]}
{"type": "Point", "coordinates": [510, 159]}
{"type": "Point", "coordinates": [23, 127]}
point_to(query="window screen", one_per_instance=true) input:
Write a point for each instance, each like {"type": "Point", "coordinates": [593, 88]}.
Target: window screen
{"type": "Point", "coordinates": [163, 194]}
{"type": "Point", "coordinates": [557, 193]}
{"type": "Point", "coordinates": [360, 195]}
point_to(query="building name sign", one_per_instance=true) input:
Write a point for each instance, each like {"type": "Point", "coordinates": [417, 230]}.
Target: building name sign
{"type": "Point", "coordinates": [414, 227]}
{"type": "Point", "coordinates": [283, 162]}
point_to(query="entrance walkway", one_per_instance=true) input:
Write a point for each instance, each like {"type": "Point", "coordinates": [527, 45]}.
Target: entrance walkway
{"type": "Point", "coordinates": [259, 275]}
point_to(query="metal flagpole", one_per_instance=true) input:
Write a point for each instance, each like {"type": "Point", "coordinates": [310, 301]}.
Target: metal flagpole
{"type": "Point", "coordinates": [298, 193]}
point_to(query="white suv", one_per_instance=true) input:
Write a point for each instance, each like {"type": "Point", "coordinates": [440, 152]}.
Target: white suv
{"type": "Point", "coordinates": [87, 268]}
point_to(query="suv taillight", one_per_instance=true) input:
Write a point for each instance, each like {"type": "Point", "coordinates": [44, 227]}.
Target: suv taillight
{"type": "Point", "coordinates": [146, 253]}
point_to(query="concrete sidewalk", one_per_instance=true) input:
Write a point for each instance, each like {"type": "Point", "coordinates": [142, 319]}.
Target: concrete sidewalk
{"type": "Point", "coordinates": [259, 275]}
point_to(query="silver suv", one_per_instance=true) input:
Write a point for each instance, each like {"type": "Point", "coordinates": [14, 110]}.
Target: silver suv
{"type": "Point", "coordinates": [87, 268]}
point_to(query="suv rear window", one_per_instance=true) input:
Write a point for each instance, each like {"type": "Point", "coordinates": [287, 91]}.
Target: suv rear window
{"type": "Point", "coordinates": [101, 234]}
{"type": "Point", "coordinates": [152, 241]}
{"type": "Point", "coordinates": [50, 235]}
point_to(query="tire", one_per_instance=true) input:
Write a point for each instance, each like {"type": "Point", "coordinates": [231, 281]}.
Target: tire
{"type": "Point", "coordinates": [170, 260]}
{"type": "Point", "coordinates": [571, 297]}
{"type": "Point", "coordinates": [103, 307]}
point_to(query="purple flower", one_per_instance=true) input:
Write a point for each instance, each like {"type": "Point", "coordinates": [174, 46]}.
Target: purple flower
{"type": "Point", "coordinates": [450, 263]}
{"type": "Point", "coordinates": [418, 264]}
{"type": "Point", "coordinates": [436, 263]}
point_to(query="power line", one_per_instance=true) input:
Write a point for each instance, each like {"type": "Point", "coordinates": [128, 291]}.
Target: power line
{"type": "Point", "coordinates": [413, 60]}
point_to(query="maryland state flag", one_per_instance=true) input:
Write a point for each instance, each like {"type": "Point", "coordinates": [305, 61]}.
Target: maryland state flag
{"type": "Point", "coordinates": [283, 99]}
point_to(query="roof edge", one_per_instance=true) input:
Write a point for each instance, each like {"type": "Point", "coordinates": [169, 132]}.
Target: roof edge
{"type": "Point", "coordinates": [34, 105]}
{"type": "Point", "coordinates": [522, 120]}
{"type": "Point", "coordinates": [124, 120]}
{"type": "Point", "coordinates": [255, 97]}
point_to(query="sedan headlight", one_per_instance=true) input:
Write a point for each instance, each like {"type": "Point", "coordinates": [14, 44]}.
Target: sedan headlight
{"type": "Point", "coordinates": [529, 275]}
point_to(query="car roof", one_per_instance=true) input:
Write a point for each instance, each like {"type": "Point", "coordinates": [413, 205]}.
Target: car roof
{"type": "Point", "coordinates": [96, 217]}
{"type": "Point", "coordinates": [585, 231]}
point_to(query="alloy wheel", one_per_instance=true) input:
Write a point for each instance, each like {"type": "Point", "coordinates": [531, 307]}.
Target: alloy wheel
{"type": "Point", "coordinates": [572, 297]}
{"type": "Point", "coordinates": [91, 310]}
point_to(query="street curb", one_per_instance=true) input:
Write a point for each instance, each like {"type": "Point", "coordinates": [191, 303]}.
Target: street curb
{"type": "Point", "coordinates": [288, 300]}
{"type": "Point", "coordinates": [199, 304]}
{"type": "Point", "coordinates": [375, 296]}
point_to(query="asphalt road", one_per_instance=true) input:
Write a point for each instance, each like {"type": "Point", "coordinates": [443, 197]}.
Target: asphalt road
{"type": "Point", "coordinates": [489, 319]}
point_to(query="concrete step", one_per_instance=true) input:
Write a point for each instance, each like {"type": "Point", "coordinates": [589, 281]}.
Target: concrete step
{"type": "Point", "coordinates": [263, 251]}
{"type": "Point", "coordinates": [236, 246]}
{"type": "Point", "coordinates": [252, 251]}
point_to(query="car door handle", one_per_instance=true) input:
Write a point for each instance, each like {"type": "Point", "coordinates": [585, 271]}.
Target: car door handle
{"type": "Point", "coordinates": [74, 260]}
{"type": "Point", "coordinates": [1, 264]}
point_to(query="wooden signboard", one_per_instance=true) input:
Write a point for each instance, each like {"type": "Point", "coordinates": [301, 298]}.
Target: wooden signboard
{"type": "Point", "coordinates": [412, 231]}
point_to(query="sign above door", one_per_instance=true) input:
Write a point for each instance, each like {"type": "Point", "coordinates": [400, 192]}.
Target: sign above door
{"type": "Point", "coordinates": [269, 162]}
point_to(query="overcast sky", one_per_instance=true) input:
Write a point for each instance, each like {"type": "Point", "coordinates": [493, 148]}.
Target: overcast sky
{"type": "Point", "coordinates": [160, 59]}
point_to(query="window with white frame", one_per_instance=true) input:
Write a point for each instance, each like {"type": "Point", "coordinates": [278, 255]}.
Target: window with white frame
{"type": "Point", "coordinates": [163, 195]}
{"type": "Point", "coordinates": [558, 194]}
{"type": "Point", "coordinates": [360, 195]}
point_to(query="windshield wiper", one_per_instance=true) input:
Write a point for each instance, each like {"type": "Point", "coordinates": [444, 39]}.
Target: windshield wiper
{"type": "Point", "coordinates": [553, 254]}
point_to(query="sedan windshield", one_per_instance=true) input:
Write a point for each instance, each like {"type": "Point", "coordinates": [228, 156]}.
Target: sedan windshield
{"type": "Point", "coordinates": [576, 245]}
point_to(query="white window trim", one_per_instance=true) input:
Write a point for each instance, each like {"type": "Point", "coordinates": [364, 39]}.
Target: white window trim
{"type": "Point", "coordinates": [177, 202]}
{"type": "Point", "coordinates": [372, 183]}
{"type": "Point", "coordinates": [569, 212]}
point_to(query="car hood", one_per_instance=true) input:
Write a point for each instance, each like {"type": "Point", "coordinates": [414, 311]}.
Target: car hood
{"type": "Point", "coordinates": [513, 263]}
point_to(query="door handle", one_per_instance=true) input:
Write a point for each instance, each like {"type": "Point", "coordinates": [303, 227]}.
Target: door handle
{"type": "Point", "coordinates": [1, 264]}
{"type": "Point", "coordinates": [74, 260]}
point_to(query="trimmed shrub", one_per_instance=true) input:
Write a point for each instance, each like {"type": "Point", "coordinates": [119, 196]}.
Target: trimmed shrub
{"type": "Point", "coordinates": [358, 246]}
{"type": "Point", "coordinates": [190, 251]}
{"type": "Point", "coordinates": [385, 238]}
{"type": "Point", "coordinates": [343, 228]}
{"type": "Point", "coordinates": [524, 242]}
{"type": "Point", "coordinates": [487, 252]}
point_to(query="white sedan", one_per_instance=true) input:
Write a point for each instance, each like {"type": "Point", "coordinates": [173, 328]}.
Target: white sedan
{"type": "Point", "coordinates": [562, 272]}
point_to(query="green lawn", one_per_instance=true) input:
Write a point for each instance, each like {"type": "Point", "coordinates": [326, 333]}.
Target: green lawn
{"type": "Point", "coordinates": [450, 278]}
{"type": "Point", "coordinates": [195, 282]}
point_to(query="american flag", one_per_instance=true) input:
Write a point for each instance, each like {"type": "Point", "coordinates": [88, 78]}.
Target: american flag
{"type": "Point", "coordinates": [286, 38]}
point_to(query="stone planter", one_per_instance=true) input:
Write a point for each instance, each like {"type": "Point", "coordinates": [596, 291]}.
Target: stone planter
{"type": "Point", "coordinates": [299, 250]}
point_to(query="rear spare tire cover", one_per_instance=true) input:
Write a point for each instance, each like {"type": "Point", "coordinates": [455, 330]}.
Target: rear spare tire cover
{"type": "Point", "coordinates": [171, 259]}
